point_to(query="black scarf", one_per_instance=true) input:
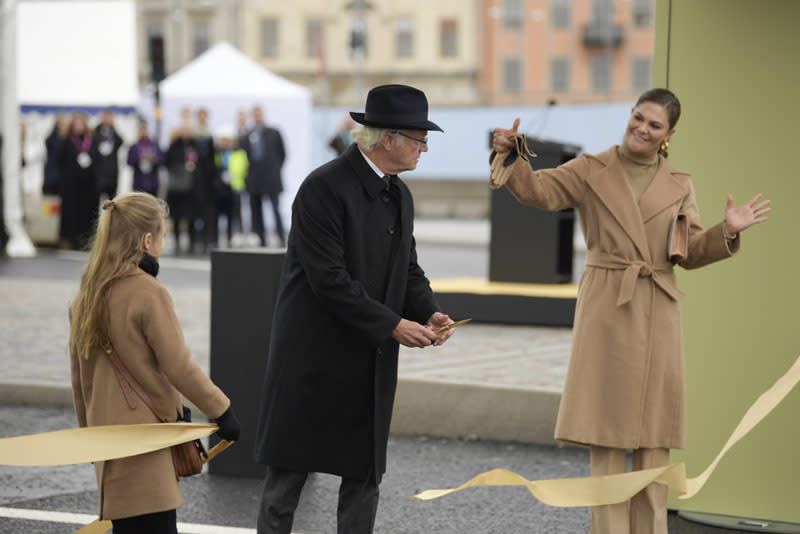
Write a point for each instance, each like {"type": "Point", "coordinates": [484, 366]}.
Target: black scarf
{"type": "Point", "coordinates": [149, 264]}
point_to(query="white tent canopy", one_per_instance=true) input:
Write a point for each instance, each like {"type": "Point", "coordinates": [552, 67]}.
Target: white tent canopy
{"type": "Point", "coordinates": [224, 81]}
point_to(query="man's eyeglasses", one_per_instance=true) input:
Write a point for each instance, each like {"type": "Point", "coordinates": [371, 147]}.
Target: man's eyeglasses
{"type": "Point", "coordinates": [423, 141]}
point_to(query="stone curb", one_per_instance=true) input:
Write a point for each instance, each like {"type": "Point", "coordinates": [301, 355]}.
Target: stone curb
{"type": "Point", "coordinates": [475, 411]}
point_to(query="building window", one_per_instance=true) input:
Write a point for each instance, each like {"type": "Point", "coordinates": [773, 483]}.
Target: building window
{"type": "Point", "coordinates": [155, 29]}
{"type": "Point", "coordinates": [404, 37]}
{"type": "Point", "coordinates": [559, 13]}
{"type": "Point", "coordinates": [358, 39]}
{"type": "Point", "coordinates": [601, 73]}
{"type": "Point", "coordinates": [314, 37]}
{"type": "Point", "coordinates": [559, 74]}
{"type": "Point", "coordinates": [448, 38]}
{"type": "Point", "coordinates": [201, 38]}
{"type": "Point", "coordinates": [640, 73]}
{"type": "Point", "coordinates": [512, 75]}
{"type": "Point", "coordinates": [513, 13]}
{"type": "Point", "coordinates": [269, 37]}
{"type": "Point", "coordinates": [602, 11]}
{"type": "Point", "coordinates": [642, 13]}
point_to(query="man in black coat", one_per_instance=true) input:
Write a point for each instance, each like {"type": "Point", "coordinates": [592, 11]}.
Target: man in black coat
{"type": "Point", "coordinates": [351, 292]}
{"type": "Point", "coordinates": [265, 154]}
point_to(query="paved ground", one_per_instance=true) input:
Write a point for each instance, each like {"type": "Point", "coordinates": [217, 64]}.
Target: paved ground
{"type": "Point", "coordinates": [494, 372]}
{"type": "Point", "coordinates": [415, 464]}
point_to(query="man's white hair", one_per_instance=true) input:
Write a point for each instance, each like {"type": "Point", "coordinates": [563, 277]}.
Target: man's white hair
{"type": "Point", "coordinates": [368, 137]}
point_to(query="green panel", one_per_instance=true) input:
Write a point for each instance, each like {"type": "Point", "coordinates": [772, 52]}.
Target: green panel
{"type": "Point", "coordinates": [734, 65]}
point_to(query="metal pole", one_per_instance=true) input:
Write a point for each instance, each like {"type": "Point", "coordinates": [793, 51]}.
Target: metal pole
{"type": "Point", "coordinates": [157, 114]}
{"type": "Point", "coordinates": [19, 244]}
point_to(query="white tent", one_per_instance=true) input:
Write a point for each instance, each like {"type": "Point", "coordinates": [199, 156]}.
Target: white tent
{"type": "Point", "coordinates": [224, 81]}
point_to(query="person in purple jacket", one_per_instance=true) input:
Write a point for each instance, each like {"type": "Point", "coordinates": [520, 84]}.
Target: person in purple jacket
{"type": "Point", "coordinates": [145, 158]}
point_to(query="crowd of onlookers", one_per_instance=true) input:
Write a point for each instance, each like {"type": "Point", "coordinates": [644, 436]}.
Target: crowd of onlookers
{"type": "Point", "coordinates": [203, 176]}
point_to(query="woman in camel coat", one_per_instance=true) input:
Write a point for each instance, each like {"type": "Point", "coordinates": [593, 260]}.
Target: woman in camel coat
{"type": "Point", "coordinates": [120, 298]}
{"type": "Point", "coordinates": [625, 383]}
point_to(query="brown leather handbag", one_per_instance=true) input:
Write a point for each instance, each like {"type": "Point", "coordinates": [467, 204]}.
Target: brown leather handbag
{"type": "Point", "coordinates": [186, 457]}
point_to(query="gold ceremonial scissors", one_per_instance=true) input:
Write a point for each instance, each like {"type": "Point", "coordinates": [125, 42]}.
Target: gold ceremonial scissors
{"type": "Point", "coordinates": [452, 325]}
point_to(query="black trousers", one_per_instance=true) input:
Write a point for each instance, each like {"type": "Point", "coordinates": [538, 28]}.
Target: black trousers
{"type": "Point", "coordinates": [156, 523]}
{"type": "Point", "coordinates": [257, 216]}
{"type": "Point", "coordinates": [181, 208]}
{"type": "Point", "coordinates": [358, 502]}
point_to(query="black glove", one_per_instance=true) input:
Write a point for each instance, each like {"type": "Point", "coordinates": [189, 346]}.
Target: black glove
{"type": "Point", "coordinates": [186, 417]}
{"type": "Point", "coordinates": [229, 427]}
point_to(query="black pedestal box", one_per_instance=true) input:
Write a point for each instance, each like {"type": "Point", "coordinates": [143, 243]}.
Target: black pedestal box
{"type": "Point", "coordinates": [244, 289]}
{"type": "Point", "coordinates": [529, 245]}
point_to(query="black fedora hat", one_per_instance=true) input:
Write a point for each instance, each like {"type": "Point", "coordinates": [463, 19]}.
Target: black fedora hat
{"type": "Point", "coordinates": [396, 106]}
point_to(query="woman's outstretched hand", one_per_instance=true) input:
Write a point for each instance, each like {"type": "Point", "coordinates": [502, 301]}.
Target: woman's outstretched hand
{"type": "Point", "coordinates": [501, 141]}
{"type": "Point", "coordinates": [738, 219]}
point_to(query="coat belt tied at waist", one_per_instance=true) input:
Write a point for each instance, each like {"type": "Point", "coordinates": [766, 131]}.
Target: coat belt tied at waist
{"type": "Point", "coordinates": [634, 269]}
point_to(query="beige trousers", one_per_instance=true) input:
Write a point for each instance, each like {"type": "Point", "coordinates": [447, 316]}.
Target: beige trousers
{"type": "Point", "coordinates": [648, 508]}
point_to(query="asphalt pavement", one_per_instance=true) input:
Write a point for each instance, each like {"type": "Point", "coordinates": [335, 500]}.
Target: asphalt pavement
{"type": "Point", "coordinates": [59, 500]}
{"type": "Point", "coordinates": [506, 380]}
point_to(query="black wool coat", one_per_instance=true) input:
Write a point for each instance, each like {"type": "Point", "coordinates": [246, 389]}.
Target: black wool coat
{"type": "Point", "coordinates": [264, 174]}
{"type": "Point", "coordinates": [79, 196]}
{"type": "Point", "coordinates": [331, 373]}
{"type": "Point", "coordinates": [106, 166]}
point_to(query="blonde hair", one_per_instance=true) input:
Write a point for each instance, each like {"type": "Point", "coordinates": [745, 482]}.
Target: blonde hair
{"type": "Point", "coordinates": [369, 137]}
{"type": "Point", "coordinates": [116, 249]}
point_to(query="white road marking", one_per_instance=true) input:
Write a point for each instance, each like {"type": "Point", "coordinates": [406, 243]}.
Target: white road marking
{"type": "Point", "coordinates": [85, 519]}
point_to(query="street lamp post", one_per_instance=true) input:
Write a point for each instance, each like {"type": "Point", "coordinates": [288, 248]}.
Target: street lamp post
{"type": "Point", "coordinates": [19, 244]}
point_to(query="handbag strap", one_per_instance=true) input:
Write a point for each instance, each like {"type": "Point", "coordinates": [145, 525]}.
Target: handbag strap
{"type": "Point", "coordinates": [129, 384]}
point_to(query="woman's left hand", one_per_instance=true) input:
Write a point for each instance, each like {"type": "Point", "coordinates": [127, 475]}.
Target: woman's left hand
{"type": "Point", "coordinates": [745, 216]}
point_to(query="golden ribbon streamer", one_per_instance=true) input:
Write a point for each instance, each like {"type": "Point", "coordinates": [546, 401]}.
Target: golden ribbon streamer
{"type": "Point", "coordinates": [98, 526]}
{"type": "Point", "coordinates": [612, 489]}
{"type": "Point", "coordinates": [97, 443]}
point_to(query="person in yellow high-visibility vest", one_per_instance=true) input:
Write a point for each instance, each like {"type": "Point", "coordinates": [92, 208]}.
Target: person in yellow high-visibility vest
{"type": "Point", "coordinates": [232, 166]}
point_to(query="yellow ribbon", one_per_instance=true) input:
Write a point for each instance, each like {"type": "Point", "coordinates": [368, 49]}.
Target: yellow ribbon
{"type": "Point", "coordinates": [97, 526]}
{"type": "Point", "coordinates": [612, 489]}
{"type": "Point", "coordinates": [97, 443]}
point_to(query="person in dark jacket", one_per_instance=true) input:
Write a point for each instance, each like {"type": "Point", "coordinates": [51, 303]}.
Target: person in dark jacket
{"type": "Point", "coordinates": [181, 162]}
{"type": "Point", "coordinates": [52, 174]}
{"type": "Point", "coordinates": [350, 293]}
{"type": "Point", "coordinates": [105, 154]}
{"type": "Point", "coordinates": [205, 190]}
{"type": "Point", "coordinates": [79, 197]}
{"type": "Point", "coordinates": [145, 158]}
{"type": "Point", "coordinates": [266, 154]}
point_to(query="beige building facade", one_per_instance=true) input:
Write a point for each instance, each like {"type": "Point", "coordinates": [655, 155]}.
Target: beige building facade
{"type": "Point", "coordinates": [337, 48]}
{"type": "Point", "coordinates": [565, 51]}
{"type": "Point", "coordinates": [461, 52]}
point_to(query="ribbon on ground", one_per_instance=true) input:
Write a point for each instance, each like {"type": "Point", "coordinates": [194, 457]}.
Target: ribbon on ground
{"type": "Point", "coordinates": [612, 489]}
{"type": "Point", "coordinates": [98, 526]}
{"type": "Point", "coordinates": [97, 443]}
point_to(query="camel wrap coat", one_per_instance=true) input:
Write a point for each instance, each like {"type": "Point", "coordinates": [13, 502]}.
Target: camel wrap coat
{"type": "Point", "coordinates": [625, 383]}
{"type": "Point", "coordinates": [147, 338]}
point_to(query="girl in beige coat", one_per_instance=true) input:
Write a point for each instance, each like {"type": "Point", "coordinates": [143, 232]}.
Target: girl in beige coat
{"type": "Point", "coordinates": [625, 383]}
{"type": "Point", "coordinates": [120, 300]}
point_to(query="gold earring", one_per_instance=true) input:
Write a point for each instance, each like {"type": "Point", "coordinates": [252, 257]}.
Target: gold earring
{"type": "Point", "coordinates": [664, 146]}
